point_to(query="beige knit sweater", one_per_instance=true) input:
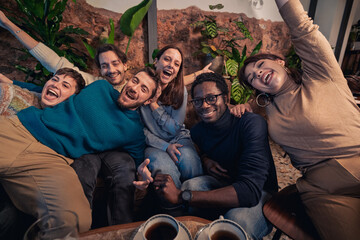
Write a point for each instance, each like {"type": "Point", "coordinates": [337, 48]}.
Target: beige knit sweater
{"type": "Point", "coordinates": [318, 119]}
{"type": "Point", "coordinates": [14, 99]}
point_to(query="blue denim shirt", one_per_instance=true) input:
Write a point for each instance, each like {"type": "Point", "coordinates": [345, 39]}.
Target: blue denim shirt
{"type": "Point", "coordinates": [164, 125]}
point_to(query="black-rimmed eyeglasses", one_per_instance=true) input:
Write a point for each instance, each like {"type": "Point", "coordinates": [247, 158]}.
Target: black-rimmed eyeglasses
{"type": "Point", "coordinates": [211, 100]}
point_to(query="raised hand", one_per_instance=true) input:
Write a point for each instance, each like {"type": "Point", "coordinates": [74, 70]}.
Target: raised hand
{"type": "Point", "coordinates": [4, 21]}
{"type": "Point", "coordinates": [144, 176]}
{"type": "Point", "coordinates": [206, 69]}
{"type": "Point", "coordinates": [4, 79]}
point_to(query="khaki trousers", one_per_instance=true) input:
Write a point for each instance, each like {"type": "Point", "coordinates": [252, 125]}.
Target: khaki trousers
{"type": "Point", "coordinates": [331, 196]}
{"type": "Point", "coordinates": [36, 178]}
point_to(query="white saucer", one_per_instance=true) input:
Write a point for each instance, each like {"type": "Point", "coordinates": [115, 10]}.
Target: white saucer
{"type": "Point", "coordinates": [183, 231]}
{"type": "Point", "coordinates": [202, 234]}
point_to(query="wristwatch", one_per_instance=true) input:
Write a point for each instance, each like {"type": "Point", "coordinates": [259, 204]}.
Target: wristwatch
{"type": "Point", "coordinates": [186, 196]}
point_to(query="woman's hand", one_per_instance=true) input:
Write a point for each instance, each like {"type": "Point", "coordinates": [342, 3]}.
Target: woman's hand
{"type": "Point", "coordinates": [239, 110]}
{"type": "Point", "coordinates": [173, 151]}
{"type": "Point", "coordinates": [206, 69]}
{"type": "Point", "coordinates": [4, 79]}
{"type": "Point", "coordinates": [144, 176]}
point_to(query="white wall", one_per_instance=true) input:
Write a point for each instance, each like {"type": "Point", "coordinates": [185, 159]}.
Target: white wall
{"type": "Point", "coordinates": [328, 16]}
{"type": "Point", "coordinates": [268, 11]}
{"type": "Point", "coordinates": [357, 15]}
{"type": "Point", "coordinates": [328, 12]}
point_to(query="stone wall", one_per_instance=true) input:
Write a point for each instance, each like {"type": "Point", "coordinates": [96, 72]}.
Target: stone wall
{"type": "Point", "coordinates": [173, 28]}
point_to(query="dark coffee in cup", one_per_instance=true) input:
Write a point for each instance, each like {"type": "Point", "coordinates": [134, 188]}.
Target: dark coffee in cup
{"type": "Point", "coordinates": [161, 231]}
{"type": "Point", "coordinates": [224, 235]}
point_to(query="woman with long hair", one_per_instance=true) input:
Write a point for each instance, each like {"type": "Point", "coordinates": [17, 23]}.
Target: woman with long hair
{"type": "Point", "coordinates": [170, 148]}
{"type": "Point", "coordinates": [313, 116]}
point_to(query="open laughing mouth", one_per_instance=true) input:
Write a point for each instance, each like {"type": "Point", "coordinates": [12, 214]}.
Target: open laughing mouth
{"type": "Point", "coordinates": [52, 93]}
{"type": "Point", "coordinates": [130, 95]}
{"type": "Point", "coordinates": [267, 77]}
{"type": "Point", "coordinates": [167, 73]}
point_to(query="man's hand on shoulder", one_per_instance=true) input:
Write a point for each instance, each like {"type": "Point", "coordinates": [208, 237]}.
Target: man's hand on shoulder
{"type": "Point", "coordinates": [214, 169]}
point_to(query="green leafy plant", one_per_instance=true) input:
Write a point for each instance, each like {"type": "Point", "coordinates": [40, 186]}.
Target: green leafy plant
{"type": "Point", "coordinates": [131, 19]}
{"type": "Point", "coordinates": [220, 41]}
{"type": "Point", "coordinates": [104, 38]}
{"type": "Point", "coordinates": [292, 59]}
{"type": "Point", "coordinates": [41, 20]}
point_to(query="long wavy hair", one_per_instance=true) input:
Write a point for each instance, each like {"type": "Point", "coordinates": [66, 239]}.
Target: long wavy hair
{"type": "Point", "coordinates": [173, 94]}
{"type": "Point", "coordinates": [295, 74]}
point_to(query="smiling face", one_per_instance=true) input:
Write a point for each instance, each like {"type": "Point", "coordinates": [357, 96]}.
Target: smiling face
{"type": "Point", "coordinates": [57, 89]}
{"type": "Point", "coordinates": [209, 113]}
{"type": "Point", "coordinates": [137, 91]}
{"type": "Point", "coordinates": [112, 68]}
{"type": "Point", "coordinates": [168, 66]}
{"type": "Point", "coordinates": [266, 75]}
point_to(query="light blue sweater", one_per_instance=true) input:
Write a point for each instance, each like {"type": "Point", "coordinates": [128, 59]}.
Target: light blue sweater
{"type": "Point", "coordinates": [165, 125]}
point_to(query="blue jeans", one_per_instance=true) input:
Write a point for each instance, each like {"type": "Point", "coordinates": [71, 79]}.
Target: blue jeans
{"type": "Point", "coordinates": [250, 219]}
{"type": "Point", "coordinates": [189, 165]}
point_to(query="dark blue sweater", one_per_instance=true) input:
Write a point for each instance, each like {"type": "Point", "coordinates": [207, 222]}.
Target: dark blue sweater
{"type": "Point", "coordinates": [241, 146]}
{"type": "Point", "coordinates": [88, 122]}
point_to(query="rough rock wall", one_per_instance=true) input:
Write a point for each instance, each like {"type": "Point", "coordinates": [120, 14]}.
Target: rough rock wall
{"type": "Point", "coordinates": [173, 28]}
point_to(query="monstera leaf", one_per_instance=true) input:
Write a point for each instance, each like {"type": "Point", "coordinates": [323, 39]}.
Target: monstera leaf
{"type": "Point", "coordinates": [132, 17]}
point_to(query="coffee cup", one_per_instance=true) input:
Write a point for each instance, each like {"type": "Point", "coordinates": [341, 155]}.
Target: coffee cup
{"type": "Point", "coordinates": [226, 229]}
{"type": "Point", "coordinates": [161, 227]}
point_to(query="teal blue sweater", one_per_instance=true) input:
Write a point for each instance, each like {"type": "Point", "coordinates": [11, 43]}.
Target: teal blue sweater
{"type": "Point", "coordinates": [88, 122]}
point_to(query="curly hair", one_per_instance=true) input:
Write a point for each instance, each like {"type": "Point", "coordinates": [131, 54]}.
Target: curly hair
{"type": "Point", "coordinates": [211, 77]}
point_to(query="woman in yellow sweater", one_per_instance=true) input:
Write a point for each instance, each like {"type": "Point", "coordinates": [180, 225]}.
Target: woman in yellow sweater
{"type": "Point", "coordinates": [314, 117]}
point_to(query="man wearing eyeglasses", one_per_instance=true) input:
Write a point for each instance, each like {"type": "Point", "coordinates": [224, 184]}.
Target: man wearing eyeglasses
{"type": "Point", "coordinates": [236, 156]}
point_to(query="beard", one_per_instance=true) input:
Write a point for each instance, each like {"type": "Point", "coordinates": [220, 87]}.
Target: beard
{"type": "Point", "coordinates": [132, 104]}
{"type": "Point", "coordinates": [129, 106]}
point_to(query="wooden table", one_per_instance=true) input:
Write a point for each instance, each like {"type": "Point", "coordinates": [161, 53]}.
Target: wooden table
{"type": "Point", "coordinates": [126, 231]}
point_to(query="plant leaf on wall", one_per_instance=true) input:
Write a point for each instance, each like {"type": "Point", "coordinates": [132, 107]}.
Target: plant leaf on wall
{"type": "Point", "coordinates": [256, 48]}
{"type": "Point", "coordinates": [232, 67]}
{"type": "Point", "coordinates": [111, 37]}
{"type": "Point", "coordinates": [132, 17]}
{"type": "Point", "coordinates": [239, 93]}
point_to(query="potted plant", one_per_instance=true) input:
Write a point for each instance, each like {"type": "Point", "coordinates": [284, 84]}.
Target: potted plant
{"type": "Point", "coordinates": [223, 48]}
